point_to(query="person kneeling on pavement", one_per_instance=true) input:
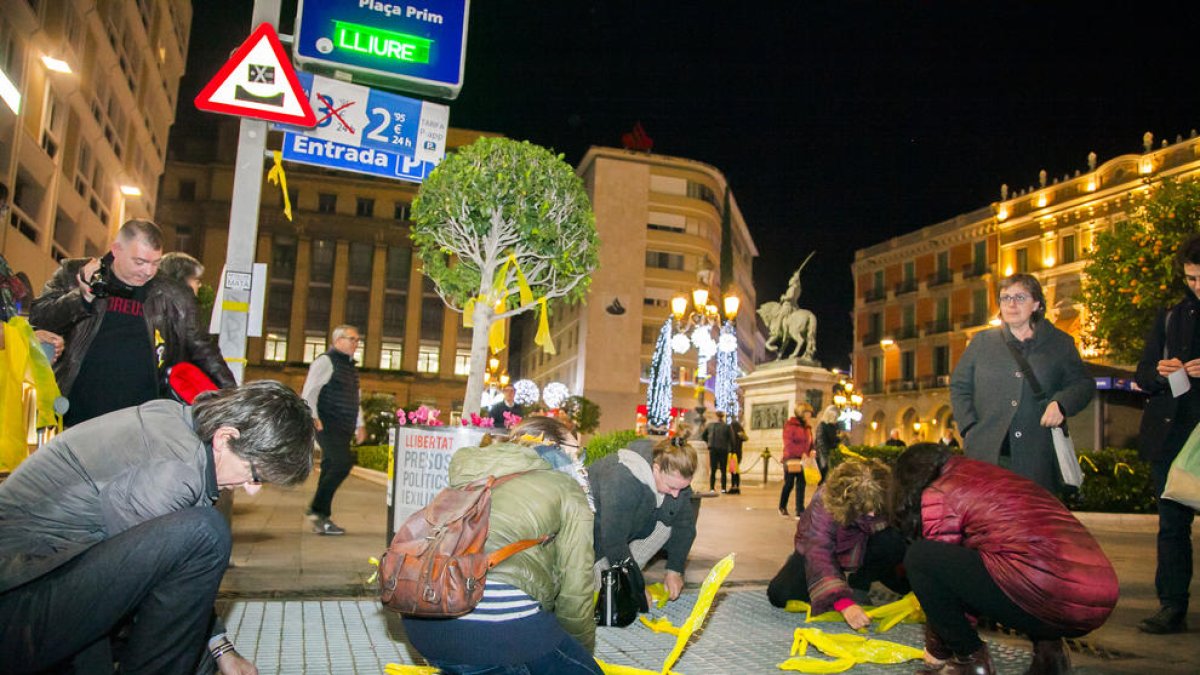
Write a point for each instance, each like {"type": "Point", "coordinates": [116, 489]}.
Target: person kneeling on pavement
{"type": "Point", "coordinates": [110, 528]}
{"type": "Point", "coordinates": [993, 543]}
{"type": "Point", "coordinates": [536, 613]}
{"type": "Point", "coordinates": [643, 499]}
{"type": "Point", "coordinates": [843, 543]}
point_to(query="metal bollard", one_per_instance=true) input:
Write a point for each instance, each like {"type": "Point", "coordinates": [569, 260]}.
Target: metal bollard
{"type": "Point", "coordinates": [766, 460]}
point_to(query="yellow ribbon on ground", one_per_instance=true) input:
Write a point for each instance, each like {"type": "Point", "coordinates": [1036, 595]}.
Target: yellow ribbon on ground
{"type": "Point", "coordinates": [23, 365]}
{"type": "Point", "coordinates": [402, 669]}
{"type": "Point", "coordinates": [496, 333]}
{"type": "Point", "coordinates": [660, 594]}
{"type": "Point", "coordinates": [276, 176]}
{"type": "Point", "coordinates": [907, 609]}
{"type": "Point", "coordinates": [708, 593]}
{"type": "Point", "coordinates": [847, 649]}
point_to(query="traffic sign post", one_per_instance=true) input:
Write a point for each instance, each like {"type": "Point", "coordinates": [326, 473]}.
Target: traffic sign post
{"type": "Point", "coordinates": [419, 49]}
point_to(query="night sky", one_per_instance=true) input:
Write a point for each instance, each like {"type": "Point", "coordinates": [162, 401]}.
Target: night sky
{"type": "Point", "coordinates": [839, 124]}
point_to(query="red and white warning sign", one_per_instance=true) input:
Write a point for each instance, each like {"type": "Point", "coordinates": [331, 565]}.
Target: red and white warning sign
{"type": "Point", "coordinates": [258, 81]}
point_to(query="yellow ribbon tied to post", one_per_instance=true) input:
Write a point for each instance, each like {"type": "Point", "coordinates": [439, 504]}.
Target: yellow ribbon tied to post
{"type": "Point", "coordinates": [276, 176]}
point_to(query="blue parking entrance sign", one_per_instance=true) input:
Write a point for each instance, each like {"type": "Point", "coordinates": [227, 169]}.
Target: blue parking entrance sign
{"type": "Point", "coordinates": [306, 149]}
{"type": "Point", "coordinates": [368, 131]}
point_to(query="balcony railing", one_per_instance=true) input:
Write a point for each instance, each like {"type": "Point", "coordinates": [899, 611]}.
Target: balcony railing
{"type": "Point", "coordinates": [975, 269]}
{"type": "Point", "coordinates": [906, 332]}
{"type": "Point", "coordinates": [901, 385]}
{"type": "Point", "coordinates": [871, 339]}
{"type": "Point", "coordinates": [875, 295]}
{"type": "Point", "coordinates": [937, 326]}
{"type": "Point", "coordinates": [906, 286]}
{"type": "Point", "coordinates": [935, 382]}
{"type": "Point", "coordinates": [939, 277]}
{"type": "Point", "coordinates": [869, 388]}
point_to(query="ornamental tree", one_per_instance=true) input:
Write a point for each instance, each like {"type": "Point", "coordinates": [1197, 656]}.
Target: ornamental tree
{"type": "Point", "coordinates": [502, 227]}
{"type": "Point", "coordinates": [1133, 272]}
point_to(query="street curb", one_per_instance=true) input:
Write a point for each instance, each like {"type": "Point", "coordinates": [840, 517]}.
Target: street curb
{"type": "Point", "coordinates": [369, 475]}
{"type": "Point", "coordinates": [1118, 522]}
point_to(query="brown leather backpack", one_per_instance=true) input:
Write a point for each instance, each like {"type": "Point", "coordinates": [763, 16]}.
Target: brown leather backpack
{"type": "Point", "coordinates": [435, 565]}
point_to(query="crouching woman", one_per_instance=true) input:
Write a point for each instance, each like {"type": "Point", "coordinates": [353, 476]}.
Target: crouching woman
{"type": "Point", "coordinates": [843, 543]}
{"type": "Point", "coordinates": [536, 612]}
{"type": "Point", "coordinates": [992, 543]}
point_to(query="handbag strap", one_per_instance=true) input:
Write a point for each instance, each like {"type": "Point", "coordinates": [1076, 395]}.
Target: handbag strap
{"type": "Point", "coordinates": [1027, 371]}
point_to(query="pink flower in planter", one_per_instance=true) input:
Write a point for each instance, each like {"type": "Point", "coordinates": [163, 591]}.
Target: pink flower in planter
{"type": "Point", "coordinates": [401, 418]}
{"type": "Point", "coordinates": [511, 420]}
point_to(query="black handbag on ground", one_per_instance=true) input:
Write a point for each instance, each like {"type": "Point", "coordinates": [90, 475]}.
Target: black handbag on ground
{"type": "Point", "coordinates": [616, 604]}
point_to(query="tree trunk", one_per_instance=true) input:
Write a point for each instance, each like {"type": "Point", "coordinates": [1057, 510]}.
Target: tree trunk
{"type": "Point", "coordinates": [479, 356]}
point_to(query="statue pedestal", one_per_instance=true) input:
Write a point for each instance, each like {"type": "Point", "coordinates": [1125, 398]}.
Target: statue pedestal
{"type": "Point", "coordinates": [770, 394]}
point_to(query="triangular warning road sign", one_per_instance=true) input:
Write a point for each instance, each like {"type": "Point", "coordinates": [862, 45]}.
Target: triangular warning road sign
{"type": "Point", "coordinates": [258, 81]}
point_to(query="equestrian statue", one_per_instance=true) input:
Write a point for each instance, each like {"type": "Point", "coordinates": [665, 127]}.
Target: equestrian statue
{"type": "Point", "coordinates": [788, 325]}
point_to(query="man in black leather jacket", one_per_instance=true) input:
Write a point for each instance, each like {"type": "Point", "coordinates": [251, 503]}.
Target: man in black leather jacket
{"type": "Point", "coordinates": [123, 327]}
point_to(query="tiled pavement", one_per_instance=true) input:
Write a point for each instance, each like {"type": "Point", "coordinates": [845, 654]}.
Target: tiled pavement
{"type": "Point", "coordinates": [297, 602]}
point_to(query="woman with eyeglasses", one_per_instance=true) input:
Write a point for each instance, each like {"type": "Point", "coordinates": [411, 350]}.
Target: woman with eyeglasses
{"type": "Point", "coordinates": [1017, 381]}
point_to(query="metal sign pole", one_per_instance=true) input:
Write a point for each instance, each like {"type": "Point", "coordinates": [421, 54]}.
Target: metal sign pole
{"type": "Point", "coordinates": [243, 223]}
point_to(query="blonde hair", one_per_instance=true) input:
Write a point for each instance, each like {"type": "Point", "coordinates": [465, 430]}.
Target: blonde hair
{"type": "Point", "coordinates": [675, 454]}
{"type": "Point", "coordinates": [856, 488]}
{"type": "Point", "coordinates": [800, 409]}
{"type": "Point", "coordinates": [830, 414]}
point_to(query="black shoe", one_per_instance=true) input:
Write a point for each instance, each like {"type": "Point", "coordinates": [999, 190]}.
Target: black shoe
{"type": "Point", "coordinates": [1049, 658]}
{"type": "Point", "coordinates": [783, 512]}
{"type": "Point", "coordinates": [735, 491]}
{"type": "Point", "coordinates": [1167, 620]}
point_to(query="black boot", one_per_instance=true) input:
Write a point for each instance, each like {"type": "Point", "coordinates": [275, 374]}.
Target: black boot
{"type": "Point", "coordinates": [1049, 658]}
{"type": "Point", "coordinates": [978, 663]}
{"type": "Point", "coordinates": [935, 647]}
{"type": "Point", "coordinates": [1167, 620]}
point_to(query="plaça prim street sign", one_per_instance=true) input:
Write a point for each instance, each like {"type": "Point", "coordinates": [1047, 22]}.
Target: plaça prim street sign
{"type": "Point", "coordinates": [368, 131]}
{"type": "Point", "coordinates": [415, 48]}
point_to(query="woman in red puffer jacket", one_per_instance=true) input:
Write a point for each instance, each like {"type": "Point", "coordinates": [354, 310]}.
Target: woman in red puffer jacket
{"type": "Point", "coordinates": [797, 444]}
{"type": "Point", "coordinates": [994, 544]}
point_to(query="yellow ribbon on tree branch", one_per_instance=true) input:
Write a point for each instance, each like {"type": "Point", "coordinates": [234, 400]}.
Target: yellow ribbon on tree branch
{"type": "Point", "coordinates": [496, 333]}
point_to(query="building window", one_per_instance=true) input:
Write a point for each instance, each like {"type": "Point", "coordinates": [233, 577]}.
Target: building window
{"type": "Point", "coordinates": [279, 304]}
{"type": "Point", "coordinates": [908, 366]}
{"type": "Point", "coordinates": [979, 303]}
{"type": "Point", "coordinates": [875, 373]}
{"type": "Point", "coordinates": [52, 123]}
{"type": "Point", "coordinates": [357, 304]}
{"type": "Point", "coordinates": [1069, 252]}
{"type": "Point", "coordinates": [666, 228]}
{"type": "Point", "coordinates": [664, 261]}
{"type": "Point", "coordinates": [399, 263]}
{"type": "Point", "coordinates": [910, 272]}
{"type": "Point", "coordinates": [364, 207]}
{"type": "Point", "coordinates": [1022, 260]}
{"type": "Point", "coordinates": [390, 356]}
{"type": "Point", "coordinates": [361, 261]}
{"type": "Point", "coordinates": [462, 362]}
{"type": "Point", "coordinates": [908, 322]}
{"type": "Point", "coordinates": [323, 252]}
{"type": "Point", "coordinates": [656, 302]}
{"type": "Point", "coordinates": [877, 285]}
{"type": "Point", "coordinates": [283, 258]}
{"type": "Point", "coordinates": [276, 347]}
{"type": "Point", "coordinates": [432, 312]}
{"type": "Point", "coordinates": [318, 304]}
{"type": "Point", "coordinates": [941, 360]}
{"type": "Point", "coordinates": [314, 346]}
{"type": "Point", "coordinates": [187, 190]}
{"type": "Point", "coordinates": [400, 211]}
{"type": "Point", "coordinates": [427, 358]}
{"type": "Point", "coordinates": [326, 202]}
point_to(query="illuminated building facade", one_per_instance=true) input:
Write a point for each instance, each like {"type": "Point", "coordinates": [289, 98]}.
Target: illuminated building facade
{"type": "Point", "coordinates": [921, 296]}
{"type": "Point", "coordinates": [88, 91]}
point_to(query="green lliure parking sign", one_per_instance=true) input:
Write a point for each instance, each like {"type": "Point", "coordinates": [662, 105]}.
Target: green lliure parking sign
{"type": "Point", "coordinates": [418, 48]}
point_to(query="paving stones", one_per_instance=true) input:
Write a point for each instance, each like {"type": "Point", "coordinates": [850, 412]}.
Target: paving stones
{"type": "Point", "coordinates": [743, 634]}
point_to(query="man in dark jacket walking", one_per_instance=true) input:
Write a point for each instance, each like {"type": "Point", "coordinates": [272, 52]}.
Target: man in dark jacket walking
{"type": "Point", "coordinates": [1169, 372]}
{"type": "Point", "coordinates": [331, 391]}
{"type": "Point", "coordinates": [124, 327]}
{"type": "Point", "coordinates": [719, 437]}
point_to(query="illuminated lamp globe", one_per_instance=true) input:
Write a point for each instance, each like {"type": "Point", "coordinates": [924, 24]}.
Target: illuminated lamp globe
{"type": "Point", "coordinates": [526, 392]}
{"type": "Point", "coordinates": [680, 343]}
{"type": "Point", "coordinates": [555, 393]}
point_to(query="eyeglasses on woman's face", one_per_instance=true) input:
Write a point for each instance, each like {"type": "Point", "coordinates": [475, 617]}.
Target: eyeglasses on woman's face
{"type": "Point", "coordinates": [1015, 298]}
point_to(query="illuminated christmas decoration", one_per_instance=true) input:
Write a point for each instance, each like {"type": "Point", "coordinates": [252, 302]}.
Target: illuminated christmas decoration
{"type": "Point", "coordinates": [727, 372]}
{"type": "Point", "coordinates": [526, 392]}
{"type": "Point", "coordinates": [658, 389]}
{"type": "Point", "coordinates": [555, 393]}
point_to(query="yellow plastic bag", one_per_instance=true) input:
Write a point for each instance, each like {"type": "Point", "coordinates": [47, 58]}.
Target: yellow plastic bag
{"type": "Point", "coordinates": [402, 669]}
{"type": "Point", "coordinates": [812, 473]}
{"type": "Point", "coordinates": [847, 649]}
{"type": "Point", "coordinates": [24, 371]}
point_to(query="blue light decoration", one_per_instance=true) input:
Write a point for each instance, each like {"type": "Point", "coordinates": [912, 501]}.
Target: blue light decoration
{"type": "Point", "coordinates": [727, 371]}
{"type": "Point", "coordinates": [658, 389]}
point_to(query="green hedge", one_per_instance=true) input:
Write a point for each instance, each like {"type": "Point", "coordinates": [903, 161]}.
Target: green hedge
{"type": "Point", "coordinates": [1114, 480]}
{"type": "Point", "coordinates": [606, 444]}
{"type": "Point", "coordinates": [373, 457]}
